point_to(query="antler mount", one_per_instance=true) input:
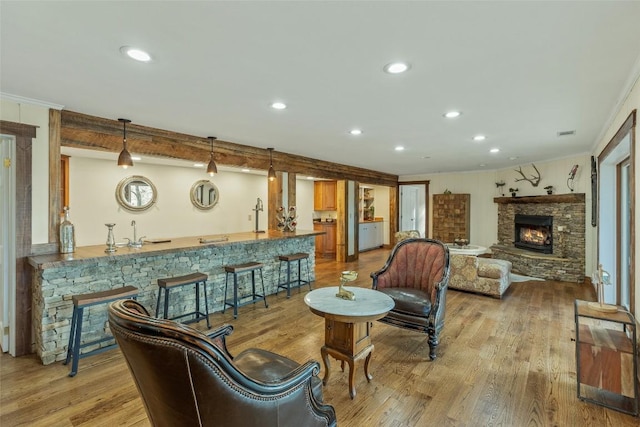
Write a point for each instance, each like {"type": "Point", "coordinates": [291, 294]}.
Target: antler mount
{"type": "Point", "coordinates": [534, 180]}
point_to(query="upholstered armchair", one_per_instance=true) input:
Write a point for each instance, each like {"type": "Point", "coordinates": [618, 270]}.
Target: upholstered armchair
{"type": "Point", "coordinates": [407, 234]}
{"type": "Point", "coordinates": [186, 378]}
{"type": "Point", "coordinates": [415, 276]}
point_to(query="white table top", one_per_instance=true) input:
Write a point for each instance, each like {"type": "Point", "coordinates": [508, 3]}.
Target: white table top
{"type": "Point", "coordinates": [368, 302]}
{"type": "Point", "coordinates": [466, 250]}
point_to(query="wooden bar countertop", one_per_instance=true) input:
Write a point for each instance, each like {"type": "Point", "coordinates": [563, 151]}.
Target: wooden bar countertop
{"type": "Point", "coordinates": [86, 254]}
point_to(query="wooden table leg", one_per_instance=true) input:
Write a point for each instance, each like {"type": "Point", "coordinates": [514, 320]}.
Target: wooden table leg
{"type": "Point", "coordinates": [325, 359]}
{"type": "Point", "coordinates": [366, 366]}
{"type": "Point", "coordinates": [352, 386]}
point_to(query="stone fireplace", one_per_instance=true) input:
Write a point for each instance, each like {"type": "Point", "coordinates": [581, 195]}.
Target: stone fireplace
{"type": "Point", "coordinates": [543, 236]}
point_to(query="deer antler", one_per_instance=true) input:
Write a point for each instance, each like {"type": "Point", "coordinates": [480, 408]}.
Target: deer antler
{"type": "Point", "coordinates": [535, 180]}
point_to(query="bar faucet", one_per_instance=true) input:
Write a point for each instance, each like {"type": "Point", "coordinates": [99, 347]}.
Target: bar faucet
{"type": "Point", "coordinates": [135, 243]}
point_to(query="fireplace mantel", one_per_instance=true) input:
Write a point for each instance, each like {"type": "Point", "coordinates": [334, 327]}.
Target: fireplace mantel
{"type": "Point", "coordinates": [552, 198]}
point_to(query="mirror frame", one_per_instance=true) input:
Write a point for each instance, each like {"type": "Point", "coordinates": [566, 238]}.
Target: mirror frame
{"type": "Point", "coordinates": [194, 198]}
{"type": "Point", "coordinates": [122, 201]}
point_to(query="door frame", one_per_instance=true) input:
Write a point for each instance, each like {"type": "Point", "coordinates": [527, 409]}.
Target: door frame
{"type": "Point", "coordinates": [426, 204]}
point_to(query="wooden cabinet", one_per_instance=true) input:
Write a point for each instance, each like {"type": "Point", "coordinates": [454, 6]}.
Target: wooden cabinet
{"type": "Point", "coordinates": [325, 243]}
{"type": "Point", "coordinates": [606, 363]}
{"type": "Point", "coordinates": [370, 235]}
{"type": "Point", "coordinates": [451, 214]}
{"type": "Point", "coordinates": [324, 196]}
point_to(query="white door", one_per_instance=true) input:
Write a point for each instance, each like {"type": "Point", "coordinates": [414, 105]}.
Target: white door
{"type": "Point", "coordinates": [413, 208]}
{"type": "Point", "coordinates": [7, 244]}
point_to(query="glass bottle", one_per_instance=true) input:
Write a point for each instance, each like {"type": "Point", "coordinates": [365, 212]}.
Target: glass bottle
{"type": "Point", "coordinates": [67, 234]}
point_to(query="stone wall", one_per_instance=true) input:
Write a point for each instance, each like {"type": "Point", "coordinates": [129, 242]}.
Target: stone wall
{"type": "Point", "coordinates": [567, 262]}
{"type": "Point", "coordinates": [54, 287]}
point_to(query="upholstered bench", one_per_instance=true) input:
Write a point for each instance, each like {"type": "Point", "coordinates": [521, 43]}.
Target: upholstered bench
{"type": "Point", "coordinates": [480, 275]}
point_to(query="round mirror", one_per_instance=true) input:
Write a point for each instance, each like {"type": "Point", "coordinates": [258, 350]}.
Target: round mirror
{"type": "Point", "coordinates": [136, 193]}
{"type": "Point", "coordinates": [204, 194]}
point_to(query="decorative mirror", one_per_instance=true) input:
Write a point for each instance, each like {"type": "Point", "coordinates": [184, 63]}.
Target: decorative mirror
{"type": "Point", "coordinates": [136, 193]}
{"type": "Point", "coordinates": [204, 194]}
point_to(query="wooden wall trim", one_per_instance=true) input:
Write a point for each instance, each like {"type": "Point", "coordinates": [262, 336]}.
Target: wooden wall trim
{"type": "Point", "coordinates": [24, 135]}
{"type": "Point", "coordinates": [55, 185]}
{"type": "Point", "coordinates": [95, 133]}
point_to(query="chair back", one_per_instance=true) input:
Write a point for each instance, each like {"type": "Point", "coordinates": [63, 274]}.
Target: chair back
{"type": "Point", "coordinates": [416, 263]}
{"type": "Point", "coordinates": [186, 378]}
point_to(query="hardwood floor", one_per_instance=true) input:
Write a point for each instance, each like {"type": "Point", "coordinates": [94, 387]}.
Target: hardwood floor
{"type": "Point", "coordinates": [508, 362]}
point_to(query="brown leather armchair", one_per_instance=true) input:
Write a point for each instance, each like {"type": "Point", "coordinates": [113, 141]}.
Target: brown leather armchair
{"type": "Point", "coordinates": [416, 276]}
{"type": "Point", "coordinates": [186, 378]}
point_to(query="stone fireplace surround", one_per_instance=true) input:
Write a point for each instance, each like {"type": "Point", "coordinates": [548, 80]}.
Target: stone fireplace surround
{"type": "Point", "coordinates": [567, 262]}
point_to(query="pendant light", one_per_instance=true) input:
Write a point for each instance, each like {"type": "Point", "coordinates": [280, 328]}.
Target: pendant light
{"type": "Point", "coordinates": [272, 173]}
{"type": "Point", "coordinates": [124, 159]}
{"type": "Point", "coordinates": [212, 169]}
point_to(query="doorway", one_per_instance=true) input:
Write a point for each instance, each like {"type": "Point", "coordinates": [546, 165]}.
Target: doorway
{"type": "Point", "coordinates": [616, 219]}
{"type": "Point", "coordinates": [413, 210]}
{"type": "Point", "coordinates": [7, 244]}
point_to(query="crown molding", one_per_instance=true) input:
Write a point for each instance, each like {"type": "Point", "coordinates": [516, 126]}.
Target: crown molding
{"type": "Point", "coordinates": [24, 100]}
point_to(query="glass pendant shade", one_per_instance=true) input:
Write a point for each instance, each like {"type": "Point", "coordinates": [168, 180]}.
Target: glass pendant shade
{"type": "Point", "coordinates": [272, 173]}
{"type": "Point", "coordinates": [124, 159]}
{"type": "Point", "coordinates": [212, 169]}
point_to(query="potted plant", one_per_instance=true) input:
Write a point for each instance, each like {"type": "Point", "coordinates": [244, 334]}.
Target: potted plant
{"type": "Point", "coordinates": [549, 189]}
{"type": "Point", "coordinates": [513, 191]}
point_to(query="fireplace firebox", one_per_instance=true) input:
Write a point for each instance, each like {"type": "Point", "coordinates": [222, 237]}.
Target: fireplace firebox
{"type": "Point", "coordinates": [534, 233]}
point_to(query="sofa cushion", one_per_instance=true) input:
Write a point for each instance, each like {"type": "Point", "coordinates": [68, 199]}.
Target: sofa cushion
{"type": "Point", "coordinates": [409, 300]}
{"type": "Point", "coordinates": [493, 268]}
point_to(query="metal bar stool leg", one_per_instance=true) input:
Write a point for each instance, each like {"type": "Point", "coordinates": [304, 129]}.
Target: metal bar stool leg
{"type": "Point", "coordinates": [235, 295]}
{"type": "Point", "coordinates": [166, 303]}
{"type": "Point", "coordinates": [76, 345]}
{"type": "Point", "coordinates": [224, 299]}
{"type": "Point", "coordinates": [72, 335]}
{"type": "Point", "coordinates": [158, 303]}
{"type": "Point", "coordinates": [206, 305]}
{"type": "Point", "coordinates": [308, 274]}
{"type": "Point", "coordinates": [264, 294]}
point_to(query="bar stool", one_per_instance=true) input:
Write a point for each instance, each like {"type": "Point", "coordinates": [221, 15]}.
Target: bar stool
{"type": "Point", "coordinates": [297, 282]}
{"type": "Point", "coordinates": [80, 302]}
{"type": "Point", "coordinates": [235, 270]}
{"type": "Point", "coordinates": [190, 279]}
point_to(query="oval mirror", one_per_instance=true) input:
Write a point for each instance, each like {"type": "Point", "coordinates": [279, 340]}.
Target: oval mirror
{"type": "Point", "coordinates": [136, 193]}
{"type": "Point", "coordinates": [204, 194]}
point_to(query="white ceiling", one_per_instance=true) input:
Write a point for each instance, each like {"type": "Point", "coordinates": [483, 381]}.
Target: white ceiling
{"type": "Point", "coordinates": [519, 71]}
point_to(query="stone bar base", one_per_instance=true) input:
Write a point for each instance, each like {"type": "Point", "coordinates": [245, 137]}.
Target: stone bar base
{"type": "Point", "coordinates": [56, 280]}
{"type": "Point", "coordinates": [543, 266]}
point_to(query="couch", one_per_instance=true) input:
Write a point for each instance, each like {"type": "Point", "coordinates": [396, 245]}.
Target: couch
{"type": "Point", "coordinates": [415, 276]}
{"type": "Point", "coordinates": [485, 276]}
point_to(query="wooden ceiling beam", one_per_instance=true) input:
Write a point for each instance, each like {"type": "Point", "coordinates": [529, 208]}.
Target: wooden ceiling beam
{"type": "Point", "coordinates": [95, 133]}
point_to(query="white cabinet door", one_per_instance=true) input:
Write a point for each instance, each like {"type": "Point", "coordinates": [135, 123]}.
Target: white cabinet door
{"type": "Point", "coordinates": [364, 239]}
{"type": "Point", "coordinates": [379, 235]}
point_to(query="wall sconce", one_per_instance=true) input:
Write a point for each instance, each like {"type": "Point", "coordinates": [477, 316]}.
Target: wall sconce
{"type": "Point", "coordinates": [272, 173]}
{"type": "Point", "coordinates": [212, 169]}
{"type": "Point", "coordinates": [124, 159]}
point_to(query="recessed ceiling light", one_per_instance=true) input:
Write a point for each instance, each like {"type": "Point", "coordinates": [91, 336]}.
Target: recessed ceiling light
{"type": "Point", "coordinates": [310, 177]}
{"type": "Point", "coordinates": [479, 138]}
{"type": "Point", "coordinates": [494, 150]}
{"type": "Point", "coordinates": [279, 105]}
{"type": "Point", "coordinates": [246, 170]}
{"type": "Point", "coordinates": [426, 157]}
{"type": "Point", "coordinates": [198, 165]}
{"type": "Point", "coordinates": [399, 148]}
{"type": "Point", "coordinates": [482, 165]}
{"type": "Point", "coordinates": [136, 158]}
{"type": "Point", "coordinates": [513, 157]}
{"type": "Point", "coordinates": [396, 67]}
{"type": "Point", "coordinates": [134, 53]}
{"type": "Point", "coordinates": [355, 132]}
{"type": "Point", "coordinates": [452, 114]}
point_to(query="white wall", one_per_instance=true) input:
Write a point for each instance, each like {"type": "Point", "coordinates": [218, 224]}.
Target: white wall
{"type": "Point", "coordinates": [92, 202]}
{"type": "Point", "coordinates": [37, 116]}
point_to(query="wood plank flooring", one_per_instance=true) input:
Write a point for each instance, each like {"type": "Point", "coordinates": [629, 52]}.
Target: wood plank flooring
{"type": "Point", "coordinates": [508, 362]}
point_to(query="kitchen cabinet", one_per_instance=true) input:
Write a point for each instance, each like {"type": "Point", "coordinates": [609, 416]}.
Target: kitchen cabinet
{"type": "Point", "coordinates": [371, 235]}
{"type": "Point", "coordinates": [324, 195]}
{"type": "Point", "coordinates": [606, 363]}
{"type": "Point", "coordinates": [325, 243]}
